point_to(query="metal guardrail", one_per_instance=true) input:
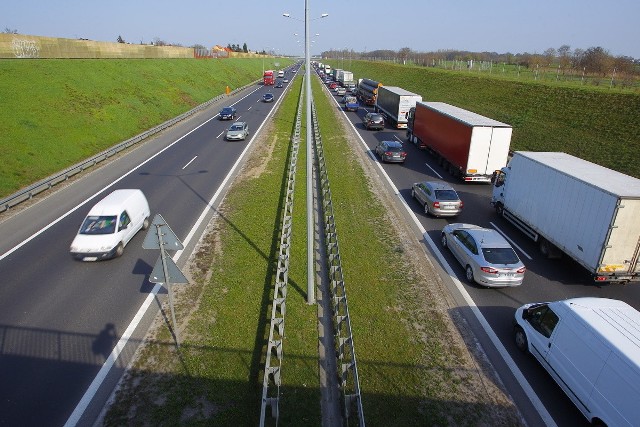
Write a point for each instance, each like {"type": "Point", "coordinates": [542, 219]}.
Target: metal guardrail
{"type": "Point", "coordinates": [46, 184]}
{"type": "Point", "coordinates": [345, 348]}
{"type": "Point", "coordinates": [273, 361]}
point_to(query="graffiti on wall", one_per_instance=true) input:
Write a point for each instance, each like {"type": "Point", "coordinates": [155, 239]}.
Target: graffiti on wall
{"type": "Point", "coordinates": [24, 48]}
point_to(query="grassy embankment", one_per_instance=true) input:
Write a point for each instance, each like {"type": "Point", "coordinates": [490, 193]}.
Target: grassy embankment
{"type": "Point", "coordinates": [593, 124]}
{"type": "Point", "coordinates": [411, 374]}
{"type": "Point", "coordinates": [55, 113]}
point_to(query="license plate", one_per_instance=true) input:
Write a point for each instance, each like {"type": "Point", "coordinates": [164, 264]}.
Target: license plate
{"type": "Point", "coordinates": [507, 274]}
{"type": "Point", "coordinates": [448, 207]}
{"type": "Point", "coordinates": [90, 258]}
{"type": "Point", "coordinates": [396, 155]}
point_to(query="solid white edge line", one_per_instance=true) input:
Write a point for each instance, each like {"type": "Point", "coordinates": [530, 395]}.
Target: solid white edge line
{"type": "Point", "coordinates": [108, 364]}
{"type": "Point", "coordinates": [526, 387]}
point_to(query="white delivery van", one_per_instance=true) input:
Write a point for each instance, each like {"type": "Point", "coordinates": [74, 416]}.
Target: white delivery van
{"type": "Point", "coordinates": [110, 225]}
{"type": "Point", "coordinates": [591, 348]}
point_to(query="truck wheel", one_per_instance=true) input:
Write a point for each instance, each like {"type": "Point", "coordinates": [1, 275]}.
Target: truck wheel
{"type": "Point", "coordinates": [521, 339]}
{"type": "Point", "coordinates": [469, 274]}
{"type": "Point", "coordinates": [545, 249]}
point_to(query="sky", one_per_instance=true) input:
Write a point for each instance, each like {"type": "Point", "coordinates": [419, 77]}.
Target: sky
{"type": "Point", "coordinates": [514, 26]}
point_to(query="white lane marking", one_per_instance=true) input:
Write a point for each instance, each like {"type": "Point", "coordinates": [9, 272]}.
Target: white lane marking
{"type": "Point", "coordinates": [510, 240]}
{"type": "Point", "coordinates": [190, 161]}
{"type": "Point", "coordinates": [433, 170]}
{"type": "Point", "coordinates": [220, 134]}
{"type": "Point", "coordinates": [515, 371]}
{"type": "Point", "coordinates": [108, 364]}
{"type": "Point", "coordinates": [399, 140]}
{"type": "Point", "coordinates": [249, 108]}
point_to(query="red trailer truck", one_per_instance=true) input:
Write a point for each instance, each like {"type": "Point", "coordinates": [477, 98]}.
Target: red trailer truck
{"type": "Point", "coordinates": [268, 78]}
{"type": "Point", "coordinates": [467, 144]}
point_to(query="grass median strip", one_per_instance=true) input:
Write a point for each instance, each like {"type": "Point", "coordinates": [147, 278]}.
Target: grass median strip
{"type": "Point", "coordinates": [413, 367]}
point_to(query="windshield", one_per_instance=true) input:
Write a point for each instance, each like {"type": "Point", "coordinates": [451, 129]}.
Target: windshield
{"type": "Point", "coordinates": [99, 225]}
{"type": "Point", "coordinates": [236, 127]}
{"type": "Point", "coordinates": [446, 195]}
{"type": "Point", "coordinates": [500, 255]}
{"type": "Point", "coordinates": [227, 111]}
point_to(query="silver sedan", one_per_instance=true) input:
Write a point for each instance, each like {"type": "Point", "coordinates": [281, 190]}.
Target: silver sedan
{"type": "Point", "coordinates": [438, 198]}
{"type": "Point", "coordinates": [488, 259]}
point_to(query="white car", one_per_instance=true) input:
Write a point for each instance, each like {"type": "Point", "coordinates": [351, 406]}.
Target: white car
{"type": "Point", "coordinates": [487, 257]}
{"type": "Point", "coordinates": [237, 131]}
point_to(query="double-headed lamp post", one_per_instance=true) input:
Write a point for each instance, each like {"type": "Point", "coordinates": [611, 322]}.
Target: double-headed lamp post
{"type": "Point", "coordinates": [311, 296]}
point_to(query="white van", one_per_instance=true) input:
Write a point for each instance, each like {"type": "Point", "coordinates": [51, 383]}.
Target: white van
{"type": "Point", "coordinates": [591, 348]}
{"type": "Point", "coordinates": [110, 224]}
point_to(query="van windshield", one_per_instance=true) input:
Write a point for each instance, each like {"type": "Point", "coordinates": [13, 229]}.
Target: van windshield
{"type": "Point", "coordinates": [99, 225]}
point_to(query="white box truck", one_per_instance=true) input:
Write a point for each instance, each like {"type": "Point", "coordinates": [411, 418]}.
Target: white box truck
{"type": "Point", "coordinates": [572, 206]}
{"type": "Point", "coordinates": [591, 348]}
{"type": "Point", "coordinates": [394, 103]}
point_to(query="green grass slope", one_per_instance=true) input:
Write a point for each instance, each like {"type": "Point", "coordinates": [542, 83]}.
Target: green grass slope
{"type": "Point", "coordinates": [55, 113]}
{"type": "Point", "coordinates": [593, 124]}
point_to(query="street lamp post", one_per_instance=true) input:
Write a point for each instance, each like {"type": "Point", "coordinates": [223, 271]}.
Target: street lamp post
{"type": "Point", "coordinates": [311, 298]}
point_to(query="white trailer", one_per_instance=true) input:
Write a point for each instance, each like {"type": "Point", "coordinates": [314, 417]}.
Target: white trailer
{"type": "Point", "coordinates": [572, 206]}
{"type": "Point", "coordinates": [395, 103]}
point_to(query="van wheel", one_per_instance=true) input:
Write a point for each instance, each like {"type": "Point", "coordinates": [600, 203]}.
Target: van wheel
{"type": "Point", "coordinates": [119, 250]}
{"type": "Point", "coordinates": [145, 223]}
{"type": "Point", "coordinates": [469, 274]}
{"type": "Point", "coordinates": [521, 339]}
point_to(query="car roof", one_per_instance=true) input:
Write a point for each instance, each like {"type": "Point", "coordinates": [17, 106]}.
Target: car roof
{"type": "Point", "coordinates": [238, 123]}
{"type": "Point", "coordinates": [438, 185]}
{"type": "Point", "coordinates": [487, 237]}
{"type": "Point", "coordinates": [392, 143]}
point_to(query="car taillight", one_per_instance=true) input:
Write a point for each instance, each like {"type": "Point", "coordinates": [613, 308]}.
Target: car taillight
{"type": "Point", "coordinates": [461, 204]}
{"type": "Point", "coordinates": [521, 270]}
{"type": "Point", "coordinates": [403, 154]}
{"type": "Point", "coordinates": [489, 270]}
{"type": "Point", "coordinates": [388, 153]}
{"type": "Point", "coordinates": [436, 205]}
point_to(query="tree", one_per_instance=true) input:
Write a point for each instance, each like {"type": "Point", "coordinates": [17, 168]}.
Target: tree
{"type": "Point", "coordinates": [564, 55]}
{"type": "Point", "coordinates": [550, 55]}
{"type": "Point", "coordinates": [120, 39]}
{"type": "Point", "coordinates": [597, 60]}
{"type": "Point", "coordinates": [403, 54]}
{"type": "Point", "coordinates": [8, 30]}
{"type": "Point", "coordinates": [244, 48]}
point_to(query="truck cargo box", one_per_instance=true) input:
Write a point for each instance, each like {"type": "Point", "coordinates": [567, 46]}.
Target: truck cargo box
{"type": "Point", "coordinates": [395, 102]}
{"type": "Point", "coordinates": [470, 145]}
{"type": "Point", "coordinates": [587, 211]}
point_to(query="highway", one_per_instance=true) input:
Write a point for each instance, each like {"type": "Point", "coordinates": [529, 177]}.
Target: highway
{"type": "Point", "coordinates": [545, 279]}
{"type": "Point", "coordinates": [60, 319]}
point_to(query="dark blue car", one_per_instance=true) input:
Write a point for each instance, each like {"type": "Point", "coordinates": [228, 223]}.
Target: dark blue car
{"type": "Point", "coordinates": [267, 97]}
{"type": "Point", "coordinates": [228, 113]}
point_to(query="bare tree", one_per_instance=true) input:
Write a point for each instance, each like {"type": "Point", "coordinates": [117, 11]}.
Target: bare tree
{"type": "Point", "coordinates": [8, 30]}
{"type": "Point", "coordinates": [550, 56]}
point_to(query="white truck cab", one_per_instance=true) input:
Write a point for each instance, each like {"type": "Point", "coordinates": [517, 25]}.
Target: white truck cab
{"type": "Point", "coordinates": [591, 348]}
{"type": "Point", "coordinates": [110, 225]}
